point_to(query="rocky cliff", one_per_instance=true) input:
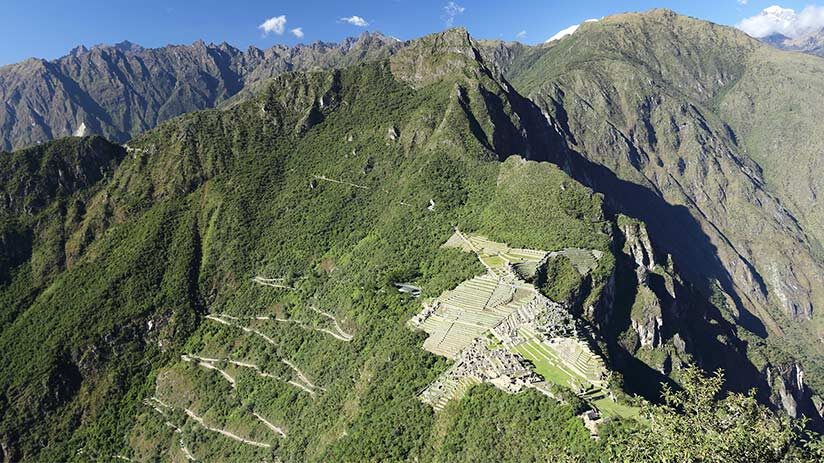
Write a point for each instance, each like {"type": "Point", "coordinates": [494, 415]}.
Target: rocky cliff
{"type": "Point", "coordinates": [121, 90]}
{"type": "Point", "coordinates": [657, 111]}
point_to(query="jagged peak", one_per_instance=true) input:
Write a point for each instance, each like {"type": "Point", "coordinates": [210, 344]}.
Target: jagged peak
{"type": "Point", "coordinates": [430, 58]}
{"type": "Point", "coordinates": [78, 50]}
{"type": "Point", "coordinates": [124, 46]}
{"type": "Point", "coordinates": [456, 36]}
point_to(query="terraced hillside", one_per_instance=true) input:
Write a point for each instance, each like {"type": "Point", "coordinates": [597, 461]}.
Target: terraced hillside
{"type": "Point", "coordinates": [224, 288]}
{"type": "Point", "coordinates": [500, 329]}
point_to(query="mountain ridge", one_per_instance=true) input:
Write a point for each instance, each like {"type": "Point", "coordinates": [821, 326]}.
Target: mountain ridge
{"type": "Point", "coordinates": [311, 198]}
{"type": "Point", "coordinates": [121, 90]}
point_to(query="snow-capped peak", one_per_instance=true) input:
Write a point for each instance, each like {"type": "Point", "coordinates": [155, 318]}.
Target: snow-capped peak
{"type": "Point", "coordinates": [776, 10]}
{"type": "Point", "coordinates": [568, 31]}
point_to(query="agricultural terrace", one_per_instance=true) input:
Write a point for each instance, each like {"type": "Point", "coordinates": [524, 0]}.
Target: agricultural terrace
{"type": "Point", "coordinates": [457, 319]}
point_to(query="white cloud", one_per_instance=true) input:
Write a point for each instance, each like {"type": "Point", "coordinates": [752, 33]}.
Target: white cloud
{"type": "Point", "coordinates": [743, 2]}
{"type": "Point", "coordinates": [784, 21]}
{"type": "Point", "coordinates": [297, 32]}
{"type": "Point", "coordinates": [520, 35]}
{"type": "Point", "coordinates": [273, 25]}
{"type": "Point", "coordinates": [355, 21]}
{"type": "Point", "coordinates": [450, 11]}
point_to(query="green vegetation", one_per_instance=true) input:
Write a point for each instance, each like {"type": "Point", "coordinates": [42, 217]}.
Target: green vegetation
{"type": "Point", "coordinates": [698, 423]}
{"type": "Point", "coordinates": [540, 197]}
{"type": "Point", "coordinates": [558, 279]}
{"type": "Point", "coordinates": [489, 425]}
{"type": "Point", "coordinates": [108, 279]}
{"type": "Point", "coordinates": [548, 365]}
{"type": "Point", "coordinates": [210, 200]}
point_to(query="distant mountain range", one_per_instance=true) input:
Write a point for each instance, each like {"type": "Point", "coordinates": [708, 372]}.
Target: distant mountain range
{"type": "Point", "coordinates": [812, 42]}
{"type": "Point", "coordinates": [121, 90]}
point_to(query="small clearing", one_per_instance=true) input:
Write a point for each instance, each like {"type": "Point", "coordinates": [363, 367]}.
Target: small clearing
{"type": "Point", "coordinates": [279, 283]}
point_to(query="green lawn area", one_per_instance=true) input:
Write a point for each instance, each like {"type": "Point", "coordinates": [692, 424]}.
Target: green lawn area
{"type": "Point", "coordinates": [610, 408]}
{"type": "Point", "coordinates": [493, 261]}
{"type": "Point", "coordinates": [543, 366]}
{"type": "Point", "coordinates": [540, 357]}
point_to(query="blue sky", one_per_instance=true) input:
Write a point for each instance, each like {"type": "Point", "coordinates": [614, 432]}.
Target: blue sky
{"type": "Point", "coordinates": [50, 28]}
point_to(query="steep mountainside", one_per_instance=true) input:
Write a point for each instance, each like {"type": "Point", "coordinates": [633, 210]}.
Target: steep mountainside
{"type": "Point", "coordinates": [237, 284]}
{"type": "Point", "coordinates": [675, 120]}
{"type": "Point", "coordinates": [122, 90]}
{"type": "Point", "coordinates": [335, 184]}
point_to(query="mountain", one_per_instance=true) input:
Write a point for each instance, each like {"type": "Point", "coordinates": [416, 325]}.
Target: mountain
{"type": "Point", "coordinates": [811, 42]}
{"type": "Point", "coordinates": [334, 184]}
{"type": "Point", "coordinates": [463, 250]}
{"type": "Point", "coordinates": [785, 29]}
{"type": "Point", "coordinates": [122, 90]}
{"type": "Point", "coordinates": [637, 96]}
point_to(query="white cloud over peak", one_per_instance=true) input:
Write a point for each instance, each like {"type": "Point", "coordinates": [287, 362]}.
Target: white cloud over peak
{"type": "Point", "coordinates": [355, 21]}
{"type": "Point", "coordinates": [520, 35]}
{"type": "Point", "coordinates": [784, 21]}
{"type": "Point", "coordinates": [450, 11]}
{"type": "Point", "coordinates": [297, 32]}
{"type": "Point", "coordinates": [274, 25]}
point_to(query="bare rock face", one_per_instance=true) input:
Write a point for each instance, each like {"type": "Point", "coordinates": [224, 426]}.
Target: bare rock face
{"type": "Point", "coordinates": [5, 452]}
{"type": "Point", "coordinates": [638, 246]}
{"type": "Point", "coordinates": [121, 90]}
{"type": "Point", "coordinates": [647, 316]}
{"type": "Point", "coordinates": [649, 331]}
{"type": "Point", "coordinates": [308, 97]}
{"type": "Point", "coordinates": [790, 393]}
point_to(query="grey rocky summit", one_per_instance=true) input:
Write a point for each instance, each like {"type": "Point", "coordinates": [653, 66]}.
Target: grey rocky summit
{"type": "Point", "coordinates": [121, 90]}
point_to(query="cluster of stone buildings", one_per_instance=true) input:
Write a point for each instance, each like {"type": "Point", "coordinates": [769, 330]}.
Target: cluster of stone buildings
{"type": "Point", "coordinates": [479, 363]}
{"type": "Point", "coordinates": [550, 319]}
{"type": "Point", "coordinates": [481, 322]}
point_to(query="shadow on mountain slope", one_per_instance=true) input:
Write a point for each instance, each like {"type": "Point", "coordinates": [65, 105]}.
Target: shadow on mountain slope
{"type": "Point", "coordinates": [672, 227]}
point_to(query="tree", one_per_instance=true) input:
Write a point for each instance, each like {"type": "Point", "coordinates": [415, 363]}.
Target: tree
{"type": "Point", "coordinates": [696, 424]}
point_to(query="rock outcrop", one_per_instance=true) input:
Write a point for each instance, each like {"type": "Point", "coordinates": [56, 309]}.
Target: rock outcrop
{"type": "Point", "coordinates": [790, 393]}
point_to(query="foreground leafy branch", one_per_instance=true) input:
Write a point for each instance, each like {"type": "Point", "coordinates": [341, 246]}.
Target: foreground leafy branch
{"type": "Point", "coordinates": [700, 424]}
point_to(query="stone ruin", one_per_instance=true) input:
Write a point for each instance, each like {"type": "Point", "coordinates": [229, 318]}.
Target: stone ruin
{"type": "Point", "coordinates": [481, 322]}
{"type": "Point", "coordinates": [481, 363]}
{"type": "Point", "coordinates": [548, 318]}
